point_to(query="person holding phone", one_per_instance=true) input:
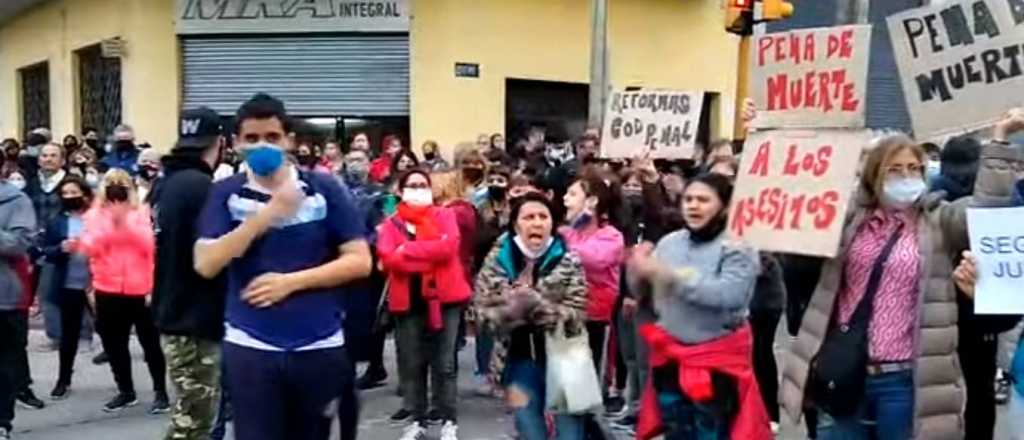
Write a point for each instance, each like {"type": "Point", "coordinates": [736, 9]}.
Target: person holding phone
{"type": "Point", "coordinates": [120, 245]}
{"type": "Point", "coordinates": [72, 278]}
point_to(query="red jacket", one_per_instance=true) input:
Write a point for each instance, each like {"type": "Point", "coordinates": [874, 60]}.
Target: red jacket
{"type": "Point", "coordinates": [400, 258]}
{"type": "Point", "coordinates": [380, 168]}
{"type": "Point", "coordinates": [23, 268]}
{"type": "Point", "coordinates": [730, 355]}
{"type": "Point", "coordinates": [121, 257]}
{"type": "Point", "coordinates": [465, 218]}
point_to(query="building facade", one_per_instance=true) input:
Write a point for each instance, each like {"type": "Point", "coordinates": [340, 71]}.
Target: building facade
{"type": "Point", "coordinates": [444, 70]}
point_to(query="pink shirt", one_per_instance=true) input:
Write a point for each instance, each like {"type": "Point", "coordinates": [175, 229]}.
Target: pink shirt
{"type": "Point", "coordinates": [894, 311]}
{"type": "Point", "coordinates": [601, 253]}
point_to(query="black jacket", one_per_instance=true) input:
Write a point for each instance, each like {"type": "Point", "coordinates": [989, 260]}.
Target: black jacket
{"type": "Point", "coordinates": [184, 303]}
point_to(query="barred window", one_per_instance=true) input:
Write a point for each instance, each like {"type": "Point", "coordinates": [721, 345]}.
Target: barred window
{"type": "Point", "coordinates": [35, 97]}
{"type": "Point", "coordinates": [99, 90]}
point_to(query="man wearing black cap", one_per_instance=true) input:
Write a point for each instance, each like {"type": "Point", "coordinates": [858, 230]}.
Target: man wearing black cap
{"type": "Point", "coordinates": [189, 309]}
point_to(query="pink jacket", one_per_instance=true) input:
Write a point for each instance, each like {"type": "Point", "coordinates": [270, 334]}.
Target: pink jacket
{"type": "Point", "coordinates": [120, 256]}
{"type": "Point", "coordinates": [601, 252]}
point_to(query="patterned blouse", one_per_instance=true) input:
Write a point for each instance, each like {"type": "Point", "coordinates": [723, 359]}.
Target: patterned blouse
{"type": "Point", "coordinates": [894, 311]}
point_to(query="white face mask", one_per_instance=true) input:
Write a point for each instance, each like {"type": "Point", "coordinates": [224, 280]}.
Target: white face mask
{"type": "Point", "coordinates": [17, 182]}
{"type": "Point", "coordinates": [902, 192]}
{"type": "Point", "coordinates": [418, 196]}
{"type": "Point", "coordinates": [531, 254]}
{"type": "Point", "coordinates": [933, 169]}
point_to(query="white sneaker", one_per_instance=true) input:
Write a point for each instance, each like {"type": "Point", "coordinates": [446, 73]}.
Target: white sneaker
{"type": "Point", "coordinates": [414, 432]}
{"type": "Point", "coordinates": [775, 428]}
{"type": "Point", "coordinates": [450, 431]}
{"type": "Point", "coordinates": [481, 386]}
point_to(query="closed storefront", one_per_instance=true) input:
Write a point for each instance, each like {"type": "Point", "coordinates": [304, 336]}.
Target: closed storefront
{"type": "Point", "coordinates": [341, 66]}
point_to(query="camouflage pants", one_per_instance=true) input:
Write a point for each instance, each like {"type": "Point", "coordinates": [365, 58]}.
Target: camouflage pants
{"type": "Point", "coordinates": [194, 365]}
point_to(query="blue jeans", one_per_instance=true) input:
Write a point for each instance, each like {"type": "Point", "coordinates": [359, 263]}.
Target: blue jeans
{"type": "Point", "coordinates": [886, 411]}
{"type": "Point", "coordinates": [684, 419]}
{"type": "Point", "coordinates": [526, 377]}
{"type": "Point", "coordinates": [484, 347]}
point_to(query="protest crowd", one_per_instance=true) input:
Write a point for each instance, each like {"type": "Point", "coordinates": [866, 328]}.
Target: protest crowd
{"type": "Point", "coordinates": [600, 283]}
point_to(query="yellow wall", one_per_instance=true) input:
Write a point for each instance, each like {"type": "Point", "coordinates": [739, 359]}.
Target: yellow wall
{"type": "Point", "coordinates": [52, 32]}
{"type": "Point", "coordinates": [676, 44]}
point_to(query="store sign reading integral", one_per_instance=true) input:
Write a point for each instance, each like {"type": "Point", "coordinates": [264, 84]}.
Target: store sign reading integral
{"type": "Point", "coordinates": [662, 122]}
{"type": "Point", "coordinates": [961, 63]}
{"type": "Point", "coordinates": [291, 16]}
{"type": "Point", "coordinates": [793, 189]}
{"type": "Point", "coordinates": [811, 78]}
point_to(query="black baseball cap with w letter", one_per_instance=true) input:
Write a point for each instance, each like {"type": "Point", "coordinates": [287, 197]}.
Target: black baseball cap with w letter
{"type": "Point", "coordinates": [198, 128]}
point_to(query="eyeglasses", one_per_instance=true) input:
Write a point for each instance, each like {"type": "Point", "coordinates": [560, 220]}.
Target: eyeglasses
{"type": "Point", "coordinates": [905, 170]}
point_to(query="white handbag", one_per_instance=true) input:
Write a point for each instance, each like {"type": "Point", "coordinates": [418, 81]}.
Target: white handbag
{"type": "Point", "coordinates": [572, 383]}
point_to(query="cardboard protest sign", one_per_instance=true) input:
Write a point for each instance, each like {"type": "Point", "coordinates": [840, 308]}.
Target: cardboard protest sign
{"type": "Point", "coordinates": [961, 63]}
{"type": "Point", "coordinates": [1000, 254]}
{"type": "Point", "coordinates": [811, 78]}
{"type": "Point", "coordinates": [664, 122]}
{"type": "Point", "coordinates": [793, 189]}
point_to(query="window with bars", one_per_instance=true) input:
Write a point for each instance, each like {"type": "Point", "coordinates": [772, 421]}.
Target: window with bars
{"type": "Point", "coordinates": [35, 97]}
{"type": "Point", "coordinates": [99, 80]}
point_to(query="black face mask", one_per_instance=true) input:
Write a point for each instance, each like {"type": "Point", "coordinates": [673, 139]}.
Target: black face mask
{"type": "Point", "coordinates": [635, 202]}
{"type": "Point", "coordinates": [117, 193]}
{"type": "Point", "coordinates": [306, 159]}
{"type": "Point", "coordinates": [92, 143]}
{"type": "Point", "coordinates": [710, 231]}
{"type": "Point", "coordinates": [429, 156]}
{"type": "Point", "coordinates": [497, 192]}
{"type": "Point", "coordinates": [125, 145]}
{"type": "Point", "coordinates": [148, 172]}
{"type": "Point", "coordinates": [73, 204]}
{"type": "Point", "coordinates": [12, 153]}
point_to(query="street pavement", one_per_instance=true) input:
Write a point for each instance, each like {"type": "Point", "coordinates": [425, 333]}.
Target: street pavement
{"type": "Point", "coordinates": [79, 416]}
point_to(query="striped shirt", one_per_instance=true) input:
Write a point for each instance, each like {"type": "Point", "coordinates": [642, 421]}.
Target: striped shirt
{"type": "Point", "coordinates": [894, 310]}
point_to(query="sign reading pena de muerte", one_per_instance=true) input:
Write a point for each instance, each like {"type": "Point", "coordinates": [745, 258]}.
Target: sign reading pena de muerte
{"type": "Point", "coordinates": [291, 16]}
{"type": "Point", "coordinates": [1000, 255]}
{"type": "Point", "coordinates": [811, 78]}
{"type": "Point", "coordinates": [961, 63]}
{"type": "Point", "coordinates": [662, 123]}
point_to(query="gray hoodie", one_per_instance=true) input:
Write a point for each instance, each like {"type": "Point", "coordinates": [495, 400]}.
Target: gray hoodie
{"type": "Point", "coordinates": [17, 232]}
{"type": "Point", "coordinates": [713, 303]}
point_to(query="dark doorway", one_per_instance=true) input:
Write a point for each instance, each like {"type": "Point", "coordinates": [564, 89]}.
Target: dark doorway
{"type": "Point", "coordinates": [561, 107]}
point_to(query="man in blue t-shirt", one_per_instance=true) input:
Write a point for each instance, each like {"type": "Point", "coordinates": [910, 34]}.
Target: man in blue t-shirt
{"type": "Point", "coordinates": [288, 240]}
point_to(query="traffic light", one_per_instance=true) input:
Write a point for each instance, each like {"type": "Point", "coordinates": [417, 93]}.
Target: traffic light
{"type": "Point", "coordinates": [739, 16]}
{"type": "Point", "coordinates": [772, 10]}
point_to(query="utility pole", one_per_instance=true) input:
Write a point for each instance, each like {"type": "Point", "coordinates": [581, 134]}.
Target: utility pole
{"type": "Point", "coordinates": [598, 62]}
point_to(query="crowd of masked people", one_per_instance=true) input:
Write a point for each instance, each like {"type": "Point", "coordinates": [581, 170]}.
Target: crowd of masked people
{"type": "Point", "coordinates": [257, 271]}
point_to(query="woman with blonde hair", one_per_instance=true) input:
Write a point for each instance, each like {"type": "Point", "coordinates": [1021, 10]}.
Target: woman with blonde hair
{"type": "Point", "coordinates": [876, 352]}
{"type": "Point", "coordinates": [119, 242]}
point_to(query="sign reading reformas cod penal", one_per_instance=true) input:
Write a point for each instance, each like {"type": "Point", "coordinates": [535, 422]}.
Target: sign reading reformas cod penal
{"type": "Point", "coordinates": [662, 123]}
{"type": "Point", "coordinates": [961, 63]}
{"type": "Point", "coordinates": [291, 16]}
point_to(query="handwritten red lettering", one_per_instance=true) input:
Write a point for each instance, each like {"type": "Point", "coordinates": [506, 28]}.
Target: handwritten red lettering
{"type": "Point", "coordinates": [761, 160]}
{"type": "Point", "coordinates": [780, 210]}
{"type": "Point", "coordinates": [813, 90]}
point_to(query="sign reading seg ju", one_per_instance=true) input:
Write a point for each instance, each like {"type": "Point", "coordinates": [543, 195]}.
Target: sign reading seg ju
{"type": "Point", "coordinates": [290, 16]}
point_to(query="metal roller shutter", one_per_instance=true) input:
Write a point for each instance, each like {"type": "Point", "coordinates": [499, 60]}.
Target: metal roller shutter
{"type": "Point", "coordinates": [365, 75]}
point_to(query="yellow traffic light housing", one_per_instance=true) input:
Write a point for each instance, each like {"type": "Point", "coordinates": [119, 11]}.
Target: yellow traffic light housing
{"type": "Point", "coordinates": [739, 16]}
{"type": "Point", "coordinates": [772, 10]}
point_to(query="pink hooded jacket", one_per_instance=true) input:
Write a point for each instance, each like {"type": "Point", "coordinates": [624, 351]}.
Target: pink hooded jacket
{"type": "Point", "coordinates": [601, 252]}
{"type": "Point", "coordinates": [121, 257]}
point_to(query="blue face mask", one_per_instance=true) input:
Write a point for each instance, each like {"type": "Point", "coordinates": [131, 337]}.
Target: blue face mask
{"type": "Point", "coordinates": [902, 192]}
{"type": "Point", "coordinates": [264, 159]}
